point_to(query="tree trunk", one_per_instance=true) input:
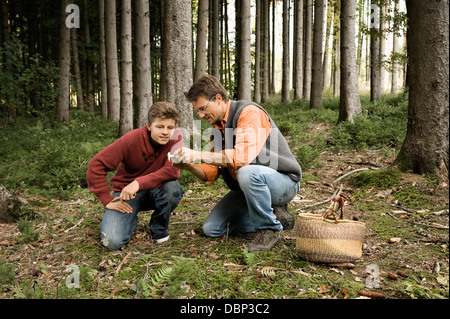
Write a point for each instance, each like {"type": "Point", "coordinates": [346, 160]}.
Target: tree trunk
{"type": "Point", "coordinates": [298, 50]}
{"type": "Point", "coordinates": [214, 46]}
{"type": "Point", "coordinates": [394, 80]}
{"type": "Point", "coordinates": [350, 104]}
{"type": "Point", "coordinates": [142, 82]}
{"type": "Point", "coordinates": [63, 100]}
{"type": "Point", "coordinates": [308, 51]}
{"type": "Point", "coordinates": [202, 31]}
{"type": "Point", "coordinates": [103, 76]}
{"type": "Point", "coordinates": [244, 91]}
{"type": "Point", "coordinates": [285, 96]}
{"type": "Point", "coordinates": [265, 79]}
{"type": "Point", "coordinates": [126, 68]}
{"type": "Point", "coordinates": [112, 62]}
{"type": "Point", "coordinates": [426, 147]}
{"type": "Point", "coordinates": [176, 61]}
{"type": "Point", "coordinates": [257, 81]}
{"type": "Point", "coordinates": [329, 16]}
{"type": "Point", "coordinates": [76, 69]}
{"type": "Point", "coordinates": [89, 65]}
{"type": "Point", "coordinates": [375, 85]}
{"type": "Point", "coordinates": [316, 74]}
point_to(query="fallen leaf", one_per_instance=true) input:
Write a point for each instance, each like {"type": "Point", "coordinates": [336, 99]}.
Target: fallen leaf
{"type": "Point", "coordinates": [323, 289]}
{"type": "Point", "coordinates": [371, 294]}
{"type": "Point", "coordinates": [394, 240]}
{"type": "Point", "coordinates": [344, 291]}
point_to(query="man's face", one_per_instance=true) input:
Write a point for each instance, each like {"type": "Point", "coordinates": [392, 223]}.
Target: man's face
{"type": "Point", "coordinates": [211, 110]}
{"type": "Point", "coordinates": [161, 130]}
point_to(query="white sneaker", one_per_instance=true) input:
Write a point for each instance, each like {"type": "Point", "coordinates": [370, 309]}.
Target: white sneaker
{"type": "Point", "coordinates": [161, 240]}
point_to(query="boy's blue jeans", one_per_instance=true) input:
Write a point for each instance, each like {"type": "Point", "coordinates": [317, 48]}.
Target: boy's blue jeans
{"type": "Point", "coordinates": [251, 209]}
{"type": "Point", "coordinates": [117, 228]}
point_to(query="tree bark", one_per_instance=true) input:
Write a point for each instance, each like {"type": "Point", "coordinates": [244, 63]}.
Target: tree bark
{"type": "Point", "coordinates": [103, 75]}
{"type": "Point", "coordinates": [202, 31]}
{"type": "Point", "coordinates": [214, 46]}
{"type": "Point", "coordinates": [126, 68]}
{"type": "Point", "coordinates": [257, 87]}
{"type": "Point", "coordinates": [244, 91]}
{"type": "Point", "coordinates": [142, 83]}
{"type": "Point", "coordinates": [176, 61]}
{"type": "Point", "coordinates": [394, 80]}
{"type": "Point", "coordinates": [350, 103]}
{"type": "Point", "coordinates": [316, 74]}
{"type": "Point", "coordinates": [76, 69]}
{"type": "Point", "coordinates": [375, 84]}
{"type": "Point", "coordinates": [308, 51]}
{"type": "Point", "coordinates": [285, 87]}
{"type": "Point", "coordinates": [426, 147]}
{"type": "Point", "coordinates": [298, 50]}
{"type": "Point", "coordinates": [112, 62]}
{"type": "Point", "coordinates": [63, 99]}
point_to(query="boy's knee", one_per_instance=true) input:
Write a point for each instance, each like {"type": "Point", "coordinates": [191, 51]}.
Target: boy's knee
{"type": "Point", "coordinates": [112, 242]}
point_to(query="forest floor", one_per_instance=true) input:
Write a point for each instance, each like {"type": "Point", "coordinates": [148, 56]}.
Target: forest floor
{"type": "Point", "coordinates": [406, 243]}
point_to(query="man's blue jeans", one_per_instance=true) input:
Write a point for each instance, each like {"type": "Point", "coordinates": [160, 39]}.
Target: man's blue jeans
{"type": "Point", "coordinates": [117, 228]}
{"type": "Point", "coordinates": [251, 209]}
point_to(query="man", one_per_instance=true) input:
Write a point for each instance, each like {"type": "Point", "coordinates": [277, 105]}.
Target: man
{"type": "Point", "coordinates": [253, 158]}
{"type": "Point", "coordinates": [145, 179]}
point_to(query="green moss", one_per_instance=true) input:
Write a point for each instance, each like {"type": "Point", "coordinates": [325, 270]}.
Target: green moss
{"type": "Point", "coordinates": [382, 179]}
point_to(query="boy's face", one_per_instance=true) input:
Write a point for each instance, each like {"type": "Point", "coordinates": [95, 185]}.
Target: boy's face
{"type": "Point", "coordinates": [161, 130]}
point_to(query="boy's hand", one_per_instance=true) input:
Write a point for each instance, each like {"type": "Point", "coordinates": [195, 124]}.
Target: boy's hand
{"type": "Point", "coordinates": [129, 191]}
{"type": "Point", "coordinates": [118, 205]}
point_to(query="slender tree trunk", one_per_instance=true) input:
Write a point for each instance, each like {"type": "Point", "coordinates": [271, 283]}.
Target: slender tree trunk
{"type": "Point", "coordinates": [285, 87]}
{"type": "Point", "coordinates": [308, 51]}
{"type": "Point", "coordinates": [257, 87]}
{"type": "Point", "coordinates": [76, 69]}
{"type": "Point", "coordinates": [176, 61]}
{"type": "Point", "coordinates": [426, 147]}
{"type": "Point", "coordinates": [112, 61]}
{"type": "Point", "coordinates": [90, 101]}
{"type": "Point", "coordinates": [266, 50]}
{"type": "Point", "coordinates": [382, 56]}
{"type": "Point", "coordinates": [202, 31]}
{"type": "Point", "coordinates": [329, 18]}
{"type": "Point", "coordinates": [214, 67]}
{"type": "Point", "coordinates": [316, 75]}
{"type": "Point", "coordinates": [126, 68]}
{"type": "Point", "coordinates": [142, 83]}
{"type": "Point", "coordinates": [394, 80]}
{"type": "Point", "coordinates": [298, 43]}
{"type": "Point", "coordinates": [350, 103]}
{"type": "Point", "coordinates": [375, 87]}
{"type": "Point", "coordinates": [63, 100]}
{"type": "Point", "coordinates": [245, 68]}
{"type": "Point", "coordinates": [103, 75]}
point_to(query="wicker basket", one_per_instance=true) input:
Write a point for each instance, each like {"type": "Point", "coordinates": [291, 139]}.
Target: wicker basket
{"type": "Point", "coordinates": [326, 241]}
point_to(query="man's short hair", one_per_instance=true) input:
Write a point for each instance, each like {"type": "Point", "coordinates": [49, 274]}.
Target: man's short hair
{"type": "Point", "coordinates": [163, 110]}
{"type": "Point", "coordinates": [208, 86]}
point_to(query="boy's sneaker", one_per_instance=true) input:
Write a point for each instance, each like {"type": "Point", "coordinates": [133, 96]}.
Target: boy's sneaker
{"type": "Point", "coordinates": [284, 216]}
{"type": "Point", "coordinates": [161, 240]}
{"type": "Point", "coordinates": [265, 240]}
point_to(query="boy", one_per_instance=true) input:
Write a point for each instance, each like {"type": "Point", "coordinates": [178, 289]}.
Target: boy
{"type": "Point", "coordinates": [145, 179]}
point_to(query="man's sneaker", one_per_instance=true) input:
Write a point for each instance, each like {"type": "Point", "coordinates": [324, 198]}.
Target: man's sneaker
{"type": "Point", "coordinates": [264, 241]}
{"type": "Point", "coordinates": [284, 216]}
{"type": "Point", "coordinates": [161, 240]}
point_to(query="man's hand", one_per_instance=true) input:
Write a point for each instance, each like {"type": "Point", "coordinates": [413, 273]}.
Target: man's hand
{"type": "Point", "coordinates": [185, 155]}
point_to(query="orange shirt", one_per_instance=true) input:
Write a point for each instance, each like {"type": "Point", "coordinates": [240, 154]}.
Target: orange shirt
{"type": "Point", "coordinates": [253, 129]}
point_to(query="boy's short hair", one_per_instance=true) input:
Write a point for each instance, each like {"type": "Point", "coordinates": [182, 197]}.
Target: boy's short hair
{"type": "Point", "coordinates": [163, 110]}
{"type": "Point", "coordinates": [207, 86]}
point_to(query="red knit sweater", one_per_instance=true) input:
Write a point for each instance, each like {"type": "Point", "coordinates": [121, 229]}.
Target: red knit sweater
{"type": "Point", "coordinates": [135, 159]}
